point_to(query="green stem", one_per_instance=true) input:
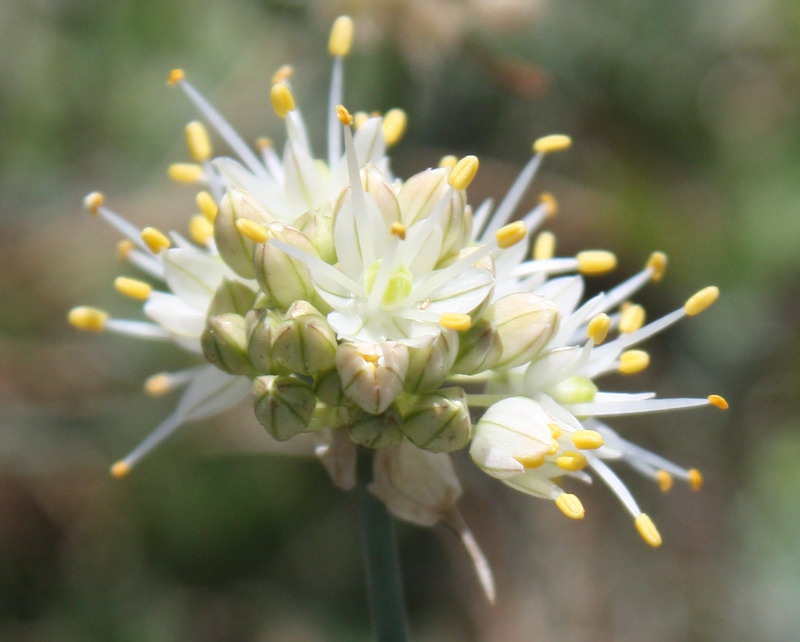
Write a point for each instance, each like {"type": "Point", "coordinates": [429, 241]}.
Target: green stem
{"type": "Point", "coordinates": [384, 587]}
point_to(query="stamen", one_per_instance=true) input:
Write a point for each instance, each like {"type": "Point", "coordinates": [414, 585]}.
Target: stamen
{"type": "Point", "coordinates": [448, 161]}
{"type": "Point", "coordinates": [394, 125]}
{"type": "Point", "coordinates": [531, 461]}
{"type": "Point", "coordinates": [554, 447]}
{"type": "Point", "coordinates": [632, 319]}
{"type": "Point", "coordinates": [570, 505]}
{"type": "Point", "coordinates": [572, 460]}
{"type": "Point", "coordinates": [208, 206]}
{"type": "Point", "coordinates": [252, 230]}
{"type": "Point", "coordinates": [398, 230]}
{"type": "Point", "coordinates": [343, 115]}
{"type": "Point", "coordinates": [594, 262]}
{"type": "Point", "coordinates": [88, 319]}
{"type": "Point", "coordinates": [555, 430]}
{"type": "Point", "coordinates": [93, 202]}
{"type": "Point", "coordinates": [185, 172]}
{"type": "Point", "coordinates": [341, 38]}
{"type": "Point", "coordinates": [648, 530]}
{"type": "Point", "coordinates": [120, 470]}
{"type": "Point", "coordinates": [455, 321]}
{"type": "Point", "coordinates": [633, 361]}
{"type": "Point", "coordinates": [658, 264]}
{"type": "Point", "coordinates": [133, 288]}
{"type": "Point", "coordinates": [359, 119]}
{"type": "Point", "coordinates": [511, 234]}
{"type": "Point", "coordinates": [552, 143]}
{"type": "Point", "coordinates": [544, 247]}
{"type": "Point", "coordinates": [158, 385]}
{"type": "Point", "coordinates": [701, 300]}
{"type": "Point", "coordinates": [664, 480]}
{"type": "Point", "coordinates": [587, 439]}
{"type": "Point", "coordinates": [695, 479]}
{"type": "Point", "coordinates": [550, 203]}
{"type": "Point", "coordinates": [282, 99]}
{"type": "Point", "coordinates": [598, 328]}
{"type": "Point", "coordinates": [719, 402]}
{"type": "Point", "coordinates": [175, 76]}
{"type": "Point", "coordinates": [198, 142]}
{"type": "Point", "coordinates": [155, 240]}
{"type": "Point", "coordinates": [124, 249]}
{"type": "Point", "coordinates": [283, 75]}
{"type": "Point", "coordinates": [464, 172]}
{"type": "Point", "coordinates": [200, 229]}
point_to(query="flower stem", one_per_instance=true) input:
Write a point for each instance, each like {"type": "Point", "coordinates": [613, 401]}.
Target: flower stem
{"type": "Point", "coordinates": [384, 587]}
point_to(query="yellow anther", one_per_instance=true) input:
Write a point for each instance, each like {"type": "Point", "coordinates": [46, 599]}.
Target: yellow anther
{"type": "Point", "coordinates": [592, 262]}
{"type": "Point", "coordinates": [120, 469]}
{"type": "Point", "coordinates": [570, 505]}
{"type": "Point", "coordinates": [93, 202]}
{"type": "Point", "coordinates": [341, 36]}
{"type": "Point", "coordinates": [550, 203]}
{"type": "Point", "coordinates": [124, 248]}
{"type": "Point", "coordinates": [207, 204]}
{"type": "Point", "coordinates": [695, 479]}
{"type": "Point", "coordinates": [398, 230]}
{"type": "Point", "coordinates": [344, 116]}
{"type": "Point", "coordinates": [282, 99]}
{"type": "Point", "coordinates": [359, 118]}
{"type": "Point", "coordinates": [544, 247]}
{"type": "Point", "coordinates": [455, 321]}
{"type": "Point", "coordinates": [185, 172]}
{"type": "Point", "coordinates": [531, 461]}
{"type": "Point", "coordinates": [157, 385]}
{"type": "Point", "coordinates": [175, 76]}
{"type": "Point", "coordinates": [554, 447]}
{"type": "Point", "coordinates": [511, 234]}
{"type": "Point", "coordinates": [658, 264]}
{"type": "Point", "coordinates": [448, 161]}
{"type": "Point", "coordinates": [664, 480]}
{"type": "Point", "coordinates": [718, 401]}
{"type": "Point", "coordinates": [283, 74]}
{"type": "Point", "coordinates": [633, 361]}
{"type": "Point", "coordinates": [572, 460]}
{"type": "Point", "coordinates": [264, 143]}
{"type": "Point", "coordinates": [463, 172]}
{"type": "Point", "coordinates": [632, 319]}
{"type": "Point", "coordinates": [88, 319]}
{"type": "Point", "coordinates": [598, 328]}
{"type": "Point", "coordinates": [648, 530]}
{"type": "Point", "coordinates": [252, 230]}
{"type": "Point", "coordinates": [587, 439]}
{"type": "Point", "coordinates": [197, 141]}
{"type": "Point", "coordinates": [701, 300]}
{"type": "Point", "coordinates": [552, 143]}
{"type": "Point", "coordinates": [394, 125]}
{"type": "Point", "coordinates": [133, 288]}
{"type": "Point", "coordinates": [200, 229]}
{"type": "Point", "coordinates": [555, 430]}
{"type": "Point", "coordinates": [155, 240]}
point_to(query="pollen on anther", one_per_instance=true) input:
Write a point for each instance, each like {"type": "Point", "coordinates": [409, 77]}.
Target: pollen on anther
{"type": "Point", "coordinates": [648, 530]}
{"type": "Point", "coordinates": [664, 480]}
{"type": "Point", "coordinates": [658, 264]}
{"type": "Point", "coordinates": [252, 230]}
{"type": "Point", "coordinates": [592, 262]}
{"type": "Point", "coordinates": [120, 469]}
{"type": "Point", "coordinates": [344, 116]}
{"type": "Point", "coordinates": [359, 118]}
{"type": "Point", "coordinates": [550, 203]}
{"type": "Point", "coordinates": [718, 401]}
{"type": "Point", "coordinates": [185, 172]}
{"type": "Point", "coordinates": [200, 229]}
{"type": "Point", "coordinates": [695, 479]}
{"type": "Point", "coordinates": [572, 461]}
{"type": "Point", "coordinates": [88, 319]}
{"type": "Point", "coordinates": [544, 247]}
{"type": "Point", "coordinates": [394, 125]}
{"type": "Point", "coordinates": [598, 328]}
{"type": "Point", "coordinates": [552, 143]}
{"type": "Point", "coordinates": [633, 361]}
{"type": "Point", "coordinates": [511, 234]}
{"type": "Point", "coordinates": [456, 321]}
{"type": "Point", "coordinates": [398, 230]}
{"type": "Point", "coordinates": [133, 288]}
{"type": "Point", "coordinates": [701, 300]}
{"type": "Point", "coordinates": [124, 248]}
{"type": "Point", "coordinates": [282, 99]}
{"type": "Point", "coordinates": [555, 430]}
{"type": "Point", "coordinates": [570, 505]}
{"type": "Point", "coordinates": [157, 385]}
{"type": "Point", "coordinates": [448, 162]}
{"type": "Point", "coordinates": [632, 319]}
{"type": "Point", "coordinates": [197, 141]}
{"type": "Point", "coordinates": [93, 202]}
{"type": "Point", "coordinates": [283, 74]}
{"type": "Point", "coordinates": [207, 204]}
{"type": "Point", "coordinates": [156, 240]}
{"type": "Point", "coordinates": [587, 439]}
{"type": "Point", "coordinates": [341, 38]}
{"type": "Point", "coordinates": [175, 76]}
{"type": "Point", "coordinates": [531, 461]}
{"type": "Point", "coordinates": [463, 172]}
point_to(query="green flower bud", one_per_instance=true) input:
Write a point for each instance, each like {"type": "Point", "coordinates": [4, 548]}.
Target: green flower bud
{"type": "Point", "coordinates": [524, 322]}
{"type": "Point", "coordinates": [262, 325]}
{"type": "Point", "coordinates": [283, 404]}
{"type": "Point", "coordinates": [283, 278]}
{"type": "Point", "coordinates": [304, 342]}
{"type": "Point", "coordinates": [317, 225]}
{"type": "Point", "coordinates": [329, 389]}
{"type": "Point", "coordinates": [224, 343]}
{"type": "Point", "coordinates": [232, 296]}
{"type": "Point", "coordinates": [372, 374]}
{"type": "Point", "coordinates": [479, 349]}
{"type": "Point", "coordinates": [235, 249]}
{"type": "Point", "coordinates": [376, 431]}
{"type": "Point", "coordinates": [440, 421]}
{"type": "Point", "coordinates": [429, 365]}
{"type": "Point", "coordinates": [574, 390]}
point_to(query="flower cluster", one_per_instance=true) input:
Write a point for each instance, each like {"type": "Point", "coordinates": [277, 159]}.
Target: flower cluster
{"type": "Point", "coordinates": [386, 314]}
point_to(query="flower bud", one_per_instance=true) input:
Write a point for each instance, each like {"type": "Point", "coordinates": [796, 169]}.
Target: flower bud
{"type": "Point", "coordinates": [235, 249]}
{"type": "Point", "coordinates": [304, 342]}
{"type": "Point", "coordinates": [329, 389]}
{"type": "Point", "coordinates": [317, 225]}
{"type": "Point", "coordinates": [283, 278]}
{"type": "Point", "coordinates": [372, 374]}
{"type": "Point", "coordinates": [439, 422]}
{"type": "Point", "coordinates": [283, 404]}
{"type": "Point", "coordinates": [376, 431]}
{"type": "Point", "coordinates": [524, 323]}
{"type": "Point", "coordinates": [479, 348]}
{"type": "Point", "coordinates": [232, 296]}
{"type": "Point", "coordinates": [224, 343]}
{"type": "Point", "coordinates": [417, 486]}
{"type": "Point", "coordinates": [262, 325]}
{"type": "Point", "coordinates": [574, 389]}
{"type": "Point", "coordinates": [429, 364]}
{"type": "Point", "coordinates": [512, 436]}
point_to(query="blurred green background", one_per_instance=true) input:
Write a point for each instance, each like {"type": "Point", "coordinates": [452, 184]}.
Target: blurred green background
{"type": "Point", "coordinates": [686, 121]}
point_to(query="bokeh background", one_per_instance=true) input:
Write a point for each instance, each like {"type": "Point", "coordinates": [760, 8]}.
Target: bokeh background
{"type": "Point", "coordinates": [686, 121]}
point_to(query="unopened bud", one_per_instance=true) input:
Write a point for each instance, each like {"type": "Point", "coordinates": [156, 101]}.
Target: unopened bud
{"type": "Point", "coordinates": [372, 374]}
{"type": "Point", "coordinates": [479, 349]}
{"type": "Point", "coordinates": [283, 404]}
{"type": "Point", "coordinates": [440, 422]}
{"type": "Point", "coordinates": [575, 389]}
{"type": "Point", "coordinates": [329, 389]}
{"type": "Point", "coordinates": [262, 326]}
{"type": "Point", "coordinates": [524, 323]}
{"type": "Point", "coordinates": [235, 249]}
{"type": "Point", "coordinates": [376, 431]}
{"type": "Point", "coordinates": [283, 278]}
{"type": "Point", "coordinates": [304, 342]}
{"type": "Point", "coordinates": [317, 226]}
{"type": "Point", "coordinates": [429, 365]}
{"type": "Point", "coordinates": [224, 343]}
{"type": "Point", "coordinates": [232, 296]}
